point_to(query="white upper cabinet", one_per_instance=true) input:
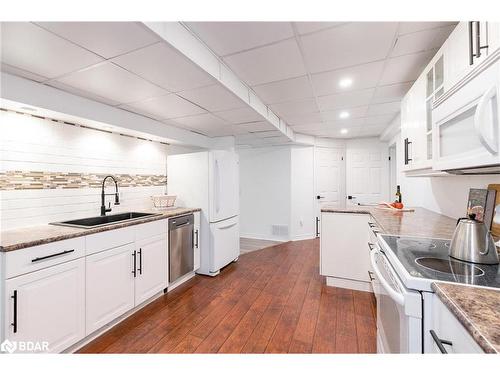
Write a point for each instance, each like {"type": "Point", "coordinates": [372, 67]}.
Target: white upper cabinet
{"type": "Point", "coordinates": [469, 45]}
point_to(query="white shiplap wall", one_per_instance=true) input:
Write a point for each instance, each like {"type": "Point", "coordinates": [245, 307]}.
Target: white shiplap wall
{"type": "Point", "coordinates": [32, 144]}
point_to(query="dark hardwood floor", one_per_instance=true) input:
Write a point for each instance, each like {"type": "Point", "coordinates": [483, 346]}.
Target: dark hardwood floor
{"type": "Point", "coordinates": [271, 301]}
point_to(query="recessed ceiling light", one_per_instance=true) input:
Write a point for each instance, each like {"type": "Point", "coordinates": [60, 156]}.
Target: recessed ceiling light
{"type": "Point", "coordinates": [344, 114]}
{"type": "Point", "coordinates": [345, 82]}
{"type": "Point", "coordinates": [344, 131]}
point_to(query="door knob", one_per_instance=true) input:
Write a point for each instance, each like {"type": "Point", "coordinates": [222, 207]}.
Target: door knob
{"type": "Point", "coordinates": [350, 197]}
{"type": "Point", "coordinates": [319, 197]}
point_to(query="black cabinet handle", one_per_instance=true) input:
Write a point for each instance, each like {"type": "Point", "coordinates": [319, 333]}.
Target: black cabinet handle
{"type": "Point", "coordinates": [196, 236]}
{"type": "Point", "coordinates": [440, 342]}
{"type": "Point", "coordinates": [140, 261]}
{"type": "Point", "coordinates": [317, 226]}
{"type": "Point", "coordinates": [134, 255]}
{"type": "Point", "coordinates": [407, 143]}
{"type": "Point", "coordinates": [14, 323]}
{"type": "Point", "coordinates": [370, 273]}
{"type": "Point", "coordinates": [52, 255]}
{"type": "Point", "coordinates": [471, 42]}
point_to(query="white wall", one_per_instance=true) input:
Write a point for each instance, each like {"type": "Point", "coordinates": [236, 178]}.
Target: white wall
{"type": "Point", "coordinates": [32, 144]}
{"type": "Point", "coordinates": [264, 191]}
{"type": "Point", "coordinates": [446, 195]}
{"type": "Point", "coordinates": [302, 193]}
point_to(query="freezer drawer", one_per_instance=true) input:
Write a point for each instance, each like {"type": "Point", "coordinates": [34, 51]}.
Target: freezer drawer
{"type": "Point", "coordinates": [180, 247]}
{"type": "Point", "coordinates": [225, 237]}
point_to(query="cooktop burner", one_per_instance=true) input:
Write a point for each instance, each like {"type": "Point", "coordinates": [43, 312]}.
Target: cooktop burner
{"type": "Point", "coordinates": [428, 258]}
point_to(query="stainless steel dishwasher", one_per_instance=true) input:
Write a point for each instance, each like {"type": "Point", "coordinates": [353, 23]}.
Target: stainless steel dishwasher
{"type": "Point", "coordinates": [180, 246]}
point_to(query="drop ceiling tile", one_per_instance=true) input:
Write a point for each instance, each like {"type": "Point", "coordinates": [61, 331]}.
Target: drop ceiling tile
{"type": "Point", "coordinates": [165, 107]}
{"type": "Point", "coordinates": [204, 120]}
{"type": "Point", "coordinates": [280, 91]}
{"type": "Point", "coordinates": [351, 44]}
{"type": "Point", "coordinates": [362, 76]}
{"type": "Point", "coordinates": [21, 73]}
{"type": "Point", "coordinates": [345, 100]}
{"type": "Point", "coordinates": [411, 27]}
{"type": "Point", "coordinates": [257, 126]}
{"type": "Point", "coordinates": [405, 68]}
{"type": "Point", "coordinates": [384, 109]}
{"type": "Point", "coordinates": [29, 47]}
{"type": "Point", "coordinates": [421, 41]}
{"type": "Point", "coordinates": [371, 131]}
{"type": "Point", "coordinates": [295, 107]}
{"type": "Point", "coordinates": [164, 66]}
{"type": "Point", "coordinates": [241, 115]}
{"type": "Point", "coordinates": [112, 82]}
{"type": "Point", "coordinates": [86, 94]}
{"type": "Point", "coordinates": [379, 120]}
{"type": "Point", "coordinates": [107, 39]}
{"type": "Point", "coordinates": [267, 134]}
{"type": "Point", "coordinates": [213, 98]}
{"type": "Point", "coordinates": [303, 118]}
{"type": "Point", "coordinates": [267, 64]}
{"type": "Point", "coordinates": [391, 93]}
{"type": "Point", "coordinates": [335, 115]}
{"type": "Point", "coordinates": [311, 27]}
{"type": "Point", "coordinates": [229, 37]}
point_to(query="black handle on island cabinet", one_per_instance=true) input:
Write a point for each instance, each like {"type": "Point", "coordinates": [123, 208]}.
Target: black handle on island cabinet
{"type": "Point", "coordinates": [440, 342]}
{"type": "Point", "coordinates": [134, 255]}
{"type": "Point", "coordinates": [140, 261]}
{"type": "Point", "coordinates": [52, 255]}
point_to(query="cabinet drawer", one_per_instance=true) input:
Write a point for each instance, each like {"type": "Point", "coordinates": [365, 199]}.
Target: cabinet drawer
{"type": "Point", "coordinates": [151, 229]}
{"type": "Point", "coordinates": [109, 239]}
{"type": "Point", "coordinates": [448, 328]}
{"type": "Point", "coordinates": [35, 258]}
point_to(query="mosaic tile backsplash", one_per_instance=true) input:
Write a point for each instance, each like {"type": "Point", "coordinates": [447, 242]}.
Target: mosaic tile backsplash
{"type": "Point", "coordinates": [28, 180]}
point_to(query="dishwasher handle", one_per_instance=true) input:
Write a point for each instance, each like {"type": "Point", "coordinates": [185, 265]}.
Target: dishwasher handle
{"type": "Point", "coordinates": [181, 221]}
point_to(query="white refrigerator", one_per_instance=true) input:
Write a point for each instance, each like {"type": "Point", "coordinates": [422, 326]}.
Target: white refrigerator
{"type": "Point", "coordinates": [210, 180]}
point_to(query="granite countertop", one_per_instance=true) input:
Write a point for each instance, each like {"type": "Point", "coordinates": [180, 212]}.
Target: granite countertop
{"type": "Point", "coordinates": [478, 309]}
{"type": "Point", "coordinates": [418, 223]}
{"type": "Point", "coordinates": [16, 239]}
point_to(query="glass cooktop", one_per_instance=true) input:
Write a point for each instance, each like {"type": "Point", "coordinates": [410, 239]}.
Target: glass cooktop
{"type": "Point", "coordinates": [428, 258]}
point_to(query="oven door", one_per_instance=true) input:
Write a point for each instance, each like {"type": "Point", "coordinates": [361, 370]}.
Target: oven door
{"type": "Point", "coordinates": [399, 310]}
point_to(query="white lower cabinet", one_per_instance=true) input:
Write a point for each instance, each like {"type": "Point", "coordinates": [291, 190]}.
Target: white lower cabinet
{"type": "Point", "coordinates": [447, 334]}
{"type": "Point", "coordinates": [46, 306]}
{"type": "Point", "coordinates": [344, 257]}
{"type": "Point", "coordinates": [109, 285]}
{"type": "Point", "coordinates": [151, 268]}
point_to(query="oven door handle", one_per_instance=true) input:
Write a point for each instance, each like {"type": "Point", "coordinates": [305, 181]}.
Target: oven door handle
{"type": "Point", "coordinates": [395, 295]}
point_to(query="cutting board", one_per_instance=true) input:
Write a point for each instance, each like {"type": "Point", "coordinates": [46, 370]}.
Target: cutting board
{"type": "Point", "coordinates": [495, 228]}
{"type": "Point", "coordinates": [396, 209]}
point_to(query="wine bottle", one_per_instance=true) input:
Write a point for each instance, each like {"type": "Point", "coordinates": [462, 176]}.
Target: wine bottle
{"type": "Point", "coordinates": [399, 197]}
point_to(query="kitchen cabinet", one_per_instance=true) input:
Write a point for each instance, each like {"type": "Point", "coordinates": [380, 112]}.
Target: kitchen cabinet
{"type": "Point", "coordinates": [109, 285]}
{"type": "Point", "coordinates": [196, 240]}
{"type": "Point", "coordinates": [151, 267]}
{"type": "Point", "coordinates": [462, 48]}
{"type": "Point", "coordinates": [447, 333]}
{"type": "Point", "coordinates": [47, 306]}
{"type": "Point", "coordinates": [344, 257]}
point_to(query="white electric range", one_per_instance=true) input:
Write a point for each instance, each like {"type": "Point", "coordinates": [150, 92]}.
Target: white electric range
{"type": "Point", "coordinates": [405, 268]}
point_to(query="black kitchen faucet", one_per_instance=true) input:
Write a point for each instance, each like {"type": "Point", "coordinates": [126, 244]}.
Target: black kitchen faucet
{"type": "Point", "coordinates": [103, 195]}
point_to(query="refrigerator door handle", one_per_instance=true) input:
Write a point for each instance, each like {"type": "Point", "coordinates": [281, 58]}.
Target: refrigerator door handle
{"type": "Point", "coordinates": [217, 186]}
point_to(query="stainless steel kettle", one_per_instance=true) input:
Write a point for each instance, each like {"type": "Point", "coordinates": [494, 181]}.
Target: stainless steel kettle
{"type": "Point", "coordinates": [472, 242]}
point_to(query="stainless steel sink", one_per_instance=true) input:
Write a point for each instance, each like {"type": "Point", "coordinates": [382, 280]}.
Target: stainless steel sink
{"type": "Point", "coordinates": [99, 221]}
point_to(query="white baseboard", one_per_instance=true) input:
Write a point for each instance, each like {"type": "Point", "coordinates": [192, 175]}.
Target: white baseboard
{"type": "Point", "coordinates": [262, 237]}
{"type": "Point", "coordinates": [349, 284]}
{"type": "Point", "coordinates": [307, 236]}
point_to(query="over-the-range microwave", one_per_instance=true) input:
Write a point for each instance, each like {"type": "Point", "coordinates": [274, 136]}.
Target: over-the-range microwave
{"type": "Point", "coordinates": [466, 125]}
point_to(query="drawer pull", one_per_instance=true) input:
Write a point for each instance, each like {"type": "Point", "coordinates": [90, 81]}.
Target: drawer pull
{"type": "Point", "coordinates": [440, 342]}
{"type": "Point", "coordinates": [14, 323]}
{"type": "Point", "coordinates": [52, 255]}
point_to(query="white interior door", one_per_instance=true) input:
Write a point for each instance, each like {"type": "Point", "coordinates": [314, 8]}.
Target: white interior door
{"type": "Point", "coordinates": [329, 179]}
{"type": "Point", "coordinates": [224, 185]}
{"type": "Point", "coordinates": [367, 180]}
